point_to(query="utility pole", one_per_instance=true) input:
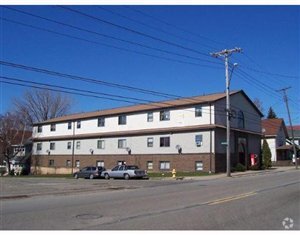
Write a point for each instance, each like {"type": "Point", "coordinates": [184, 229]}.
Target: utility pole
{"type": "Point", "coordinates": [226, 53]}
{"type": "Point", "coordinates": [285, 99]}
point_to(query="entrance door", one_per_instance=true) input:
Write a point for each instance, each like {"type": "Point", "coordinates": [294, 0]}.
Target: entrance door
{"type": "Point", "coordinates": [242, 150]}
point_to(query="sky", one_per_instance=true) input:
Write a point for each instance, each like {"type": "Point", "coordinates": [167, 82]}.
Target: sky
{"type": "Point", "coordinates": [174, 57]}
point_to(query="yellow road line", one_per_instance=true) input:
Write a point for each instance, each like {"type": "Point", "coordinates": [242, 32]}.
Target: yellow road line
{"type": "Point", "coordinates": [228, 199]}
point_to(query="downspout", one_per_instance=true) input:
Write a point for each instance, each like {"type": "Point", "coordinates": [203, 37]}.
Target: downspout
{"type": "Point", "coordinates": [210, 141]}
{"type": "Point", "coordinates": [73, 148]}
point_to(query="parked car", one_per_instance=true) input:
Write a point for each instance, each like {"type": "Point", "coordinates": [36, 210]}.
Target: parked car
{"type": "Point", "coordinates": [124, 171]}
{"type": "Point", "coordinates": [90, 172]}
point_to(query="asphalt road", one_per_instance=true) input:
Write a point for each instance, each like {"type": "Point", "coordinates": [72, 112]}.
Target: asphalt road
{"type": "Point", "coordinates": [256, 202]}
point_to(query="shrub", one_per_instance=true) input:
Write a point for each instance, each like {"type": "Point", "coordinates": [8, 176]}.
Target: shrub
{"type": "Point", "coordinates": [254, 168]}
{"type": "Point", "coordinates": [240, 167]}
{"type": "Point", "coordinates": [12, 172]}
{"type": "Point", "coordinates": [266, 155]}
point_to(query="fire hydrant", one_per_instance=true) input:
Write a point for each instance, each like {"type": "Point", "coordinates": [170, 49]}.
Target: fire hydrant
{"type": "Point", "coordinates": [173, 173]}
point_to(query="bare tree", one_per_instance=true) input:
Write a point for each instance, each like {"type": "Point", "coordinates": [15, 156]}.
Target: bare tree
{"type": "Point", "coordinates": [40, 105]}
{"type": "Point", "coordinates": [12, 130]}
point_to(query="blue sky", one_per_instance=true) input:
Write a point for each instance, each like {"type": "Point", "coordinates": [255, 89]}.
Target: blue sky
{"type": "Point", "coordinates": [268, 35]}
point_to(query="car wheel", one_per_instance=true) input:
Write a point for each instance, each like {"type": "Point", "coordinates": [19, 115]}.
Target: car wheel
{"type": "Point", "coordinates": [106, 176]}
{"type": "Point", "coordinates": [91, 176]}
{"type": "Point", "coordinates": [126, 177]}
{"type": "Point", "coordinates": [76, 176]}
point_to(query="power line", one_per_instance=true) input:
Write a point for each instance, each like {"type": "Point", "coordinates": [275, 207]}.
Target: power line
{"type": "Point", "coordinates": [175, 26]}
{"type": "Point", "coordinates": [90, 80]}
{"type": "Point", "coordinates": [122, 98]}
{"type": "Point", "coordinates": [108, 45]}
{"type": "Point", "coordinates": [95, 81]}
{"type": "Point", "coordinates": [265, 86]}
{"type": "Point", "coordinates": [108, 36]}
{"type": "Point", "coordinates": [220, 112]}
{"type": "Point", "coordinates": [94, 33]}
{"type": "Point", "coordinates": [92, 94]}
{"type": "Point", "coordinates": [134, 31]}
{"type": "Point", "coordinates": [267, 73]}
{"type": "Point", "coordinates": [154, 28]}
{"type": "Point", "coordinates": [254, 83]}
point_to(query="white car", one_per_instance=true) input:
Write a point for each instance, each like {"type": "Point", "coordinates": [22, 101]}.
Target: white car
{"type": "Point", "coordinates": [124, 172]}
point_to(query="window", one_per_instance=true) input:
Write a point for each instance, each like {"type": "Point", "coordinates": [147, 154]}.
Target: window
{"type": "Point", "coordinates": [77, 144]}
{"type": "Point", "coordinates": [100, 144]}
{"type": "Point", "coordinates": [241, 120]}
{"type": "Point", "coordinates": [69, 145]}
{"type": "Point", "coordinates": [51, 162]}
{"type": "Point", "coordinates": [78, 124]}
{"type": "Point", "coordinates": [149, 165]}
{"type": "Point", "coordinates": [164, 165]}
{"type": "Point", "coordinates": [150, 142]}
{"type": "Point", "coordinates": [52, 127]}
{"type": "Point", "coordinates": [164, 115]}
{"type": "Point", "coordinates": [120, 163]}
{"type": "Point", "coordinates": [69, 125]}
{"type": "Point", "coordinates": [77, 163]}
{"type": "Point", "coordinates": [198, 111]}
{"type": "Point", "coordinates": [40, 129]}
{"type": "Point", "coordinates": [122, 143]}
{"type": "Point", "coordinates": [150, 117]}
{"type": "Point", "coordinates": [101, 121]}
{"type": "Point", "coordinates": [198, 140]}
{"type": "Point", "coordinates": [38, 146]}
{"type": "Point", "coordinates": [164, 142]}
{"type": "Point", "coordinates": [199, 166]}
{"type": "Point", "coordinates": [122, 120]}
{"type": "Point", "coordinates": [52, 146]}
{"type": "Point", "coordinates": [100, 163]}
{"type": "Point", "coordinates": [68, 163]}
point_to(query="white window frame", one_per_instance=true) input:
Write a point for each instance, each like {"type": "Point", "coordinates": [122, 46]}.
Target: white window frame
{"type": "Point", "coordinates": [150, 142]}
{"type": "Point", "coordinates": [164, 115]}
{"type": "Point", "coordinates": [198, 111]}
{"type": "Point", "coordinates": [77, 163]}
{"type": "Point", "coordinates": [122, 143]}
{"type": "Point", "coordinates": [102, 145]}
{"type": "Point", "coordinates": [39, 129]}
{"type": "Point", "coordinates": [199, 142]}
{"type": "Point", "coordinates": [51, 163]}
{"type": "Point", "coordinates": [122, 120]}
{"type": "Point", "coordinates": [78, 144]}
{"type": "Point", "coordinates": [149, 165]}
{"type": "Point", "coordinates": [199, 165]}
{"type": "Point", "coordinates": [150, 117]}
{"type": "Point", "coordinates": [68, 163]}
{"type": "Point", "coordinates": [78, 124]}
{"type": "Point", "coordinates": [69, 145]}
{"type": "Point", "coordinates": [164, 165]}
{"type": "Point", "coordinates": [52, 146]}
{"type": "Point", "coordinates": [53, 127]}
{"type": "Point", "coordinates": [164, 142]}
{"type": "Point", "coordinates": [100, 163]}
{"type": "Point", "coordinates": [101, 122]}
{"type": "Point", "coordinates": [69, 125]}
{"type": "Point", "coordinates": [39, 146]}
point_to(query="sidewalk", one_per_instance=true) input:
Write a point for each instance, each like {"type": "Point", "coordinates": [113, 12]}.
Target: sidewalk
{"type": "Point", "coordinates": [239, 174]}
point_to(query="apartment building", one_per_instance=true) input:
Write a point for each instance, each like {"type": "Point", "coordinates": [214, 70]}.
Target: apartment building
{"type": "Point", "coordinates": [185, 134]}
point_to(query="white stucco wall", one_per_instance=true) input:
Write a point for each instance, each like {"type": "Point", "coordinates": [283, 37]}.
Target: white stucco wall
{"type": "Point", "coordinates": [178, 118]}
{"type": "Point", "coordinates": [272, 145]}
{"type": "Point", "coordinates": [138, 145]}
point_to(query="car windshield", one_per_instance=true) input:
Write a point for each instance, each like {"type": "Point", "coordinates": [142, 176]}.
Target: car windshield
{"type": "Point", "coordinates": [132, 168]}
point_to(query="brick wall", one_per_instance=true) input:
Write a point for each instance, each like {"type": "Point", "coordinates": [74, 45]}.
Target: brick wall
{"type": "Point", "coordinates": [181, 162]}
